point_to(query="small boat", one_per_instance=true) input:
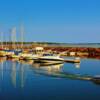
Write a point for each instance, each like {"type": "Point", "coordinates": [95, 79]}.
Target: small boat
{"type": "Point", "coordinates": [50, 58]}
{"type": "Point", "coordinates": [13, 53]}
{"type": "Point", "coordinates": [28, 56]}
{"type": "Point", "coordinates": [9, 53]}
{"type": "Point", "coordinates": [2, 53]}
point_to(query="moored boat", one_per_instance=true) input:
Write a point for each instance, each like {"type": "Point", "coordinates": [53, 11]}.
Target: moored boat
{"type": "Point", "coordinates": [2, 53]}
{"type": "Point", "coordinates": [50, 58]}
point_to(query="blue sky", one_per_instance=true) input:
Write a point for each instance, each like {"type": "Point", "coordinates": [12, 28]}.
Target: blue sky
{"type": "Point", "coordinates": [70, 21]}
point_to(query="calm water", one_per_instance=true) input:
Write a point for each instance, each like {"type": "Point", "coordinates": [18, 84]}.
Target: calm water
{"type": "Point", "coordinates": [32, 81]}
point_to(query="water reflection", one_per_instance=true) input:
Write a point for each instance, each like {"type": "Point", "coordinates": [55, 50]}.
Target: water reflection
{"type": "Point", "coordinates": [1, 72]}
{"type": "Point", "coordinates": [22, 79]}
{"type": "Point", "coordinates": [26, 62]}
{"type": "Point", "coordinates": [2, 60]}
{"type": "Point", "coordinates": [77, 65]}
{"type": "Point", "coordinates": [13, 74]}
{"type": "Point", "coordinates": [15, 71]}
{"type": "Point", "coordinates": [57, 72]}
{"type": "Point", "coordinates": [48, 67]}
{"type": "Point", "coordinates": [29, 80]}
{"type": "Point", "coordinates": [1, 69]}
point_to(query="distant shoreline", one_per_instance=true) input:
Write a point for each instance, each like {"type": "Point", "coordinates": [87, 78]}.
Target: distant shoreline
{"type": "Point", "coordinates": [91, 45]}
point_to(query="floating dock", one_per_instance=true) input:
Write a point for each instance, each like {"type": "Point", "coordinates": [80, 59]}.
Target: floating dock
{"type": "Point", "coordinates": [76, 60]}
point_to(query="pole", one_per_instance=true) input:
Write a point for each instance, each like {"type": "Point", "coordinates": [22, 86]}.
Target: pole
{"type": "Point", "coordinates": [22, 35]}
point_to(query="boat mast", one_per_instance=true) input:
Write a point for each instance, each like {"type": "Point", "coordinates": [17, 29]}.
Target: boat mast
{"type": "Point", "coordinates": [22, 35]}
{"type": "Point", "coordinates": [6, 44]}
{"type": "Point", "coordinates": [1, 40]}
{"type": "Point", "coordinates": [13, 37]}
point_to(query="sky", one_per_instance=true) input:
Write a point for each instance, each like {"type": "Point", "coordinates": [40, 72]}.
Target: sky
{"type": "Point", "coordinates": [67, 21]}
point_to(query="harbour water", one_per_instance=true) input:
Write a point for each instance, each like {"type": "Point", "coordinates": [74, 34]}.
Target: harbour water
{"type": "Point", "coordinates": [21, 80]}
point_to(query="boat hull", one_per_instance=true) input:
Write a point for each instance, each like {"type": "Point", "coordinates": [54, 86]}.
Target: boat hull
{"type": "Point", "coordinates": [41, 60]}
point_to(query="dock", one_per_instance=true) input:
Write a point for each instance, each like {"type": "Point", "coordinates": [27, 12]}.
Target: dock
{"type": "Point", "coordinates": [76, 60]}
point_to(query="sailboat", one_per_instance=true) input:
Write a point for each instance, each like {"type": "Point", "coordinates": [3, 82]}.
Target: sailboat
{"type": "Point", "coordinates": [13, 53]}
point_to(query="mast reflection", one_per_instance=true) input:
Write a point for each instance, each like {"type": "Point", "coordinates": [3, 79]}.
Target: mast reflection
{"type": "Point", "coordinates": [22, 75]}
{"type": "Point", "coordinates": [2, 60]}
{"type": "Point", "coordinates": [17, 74]}
{"type": "Point", "coordinates": [13, 74]}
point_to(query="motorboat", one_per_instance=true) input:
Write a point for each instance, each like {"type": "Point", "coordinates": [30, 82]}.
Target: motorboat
{"type": "Point", "coordinates": [28, 56]}
{"type": "Point", "coordinates": [50, 58]}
